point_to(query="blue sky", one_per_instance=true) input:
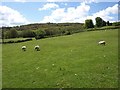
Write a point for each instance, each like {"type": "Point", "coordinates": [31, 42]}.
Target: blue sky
{"type": "Point", "coordinates": [18, 13]}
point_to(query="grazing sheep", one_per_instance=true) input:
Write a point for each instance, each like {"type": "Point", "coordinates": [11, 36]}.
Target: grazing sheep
{"type": "Point", "coordinates": [37, 48]}
{"type": "Point", "coordinates": [24, 48]}
{"type": "Point", "coordinates": [101, 42]}
{"type": "Point", "coordinates": [75, 74]}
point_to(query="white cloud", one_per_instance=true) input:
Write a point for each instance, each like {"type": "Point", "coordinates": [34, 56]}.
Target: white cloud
{"type": "Point", "coordinates": [105, 14]}
{"type": "Point", "coordinates": [90, 1]}
{"type": "Point", "coordinates": [65, 4]}
{"type": "Point", "coordinates": [57, 0]}
{"type": "Point", "coordinates": [20, 1]}
{"type": "Point", "coordinates": [87, 1]}
{"type": "Point", "coordinates": [11, 17]}
{"type": "Point", "coordinates": [49, 6]}
{"type": "Point", "coordinates": [72, 14]}
{"type": "Point", "coordinates": [80, 14]}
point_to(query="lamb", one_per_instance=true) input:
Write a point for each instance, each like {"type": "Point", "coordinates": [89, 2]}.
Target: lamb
{"type": "Point", "coordinates": [24, 48]}
{"type": "Point", "coordinates": [102, 42]}
{"type": "Point", "coordinates": [37, 48]}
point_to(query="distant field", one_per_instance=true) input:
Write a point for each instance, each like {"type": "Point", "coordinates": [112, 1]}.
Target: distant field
{"type": "Point", "coordinates": [78, 62]}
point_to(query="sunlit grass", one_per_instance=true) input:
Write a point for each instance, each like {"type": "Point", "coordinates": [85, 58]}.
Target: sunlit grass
{"type": "Point", "coordinates": [78, 62]}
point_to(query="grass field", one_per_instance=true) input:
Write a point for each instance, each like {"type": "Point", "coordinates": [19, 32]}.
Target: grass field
{"type": "Point", "coordinates": [0, 66]}
{"type": "Point", "coordinates": [78, 62]}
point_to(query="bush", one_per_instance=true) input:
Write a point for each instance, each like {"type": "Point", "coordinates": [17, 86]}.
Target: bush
{"type": "Point", "coordinates": [116, 24]}
{"type": "Point", "coordinates": [27, 34]}
{"type": "Point", "coordinates": [11, 41]}
{"type": "Point", "coordinates": [40, 34]}
{"type": "Point", "coordinates": [67, 33]}
{"type": "Point", "coordinates": [18, 41]}
{"type": "Point", "coordinates": [10, 34]}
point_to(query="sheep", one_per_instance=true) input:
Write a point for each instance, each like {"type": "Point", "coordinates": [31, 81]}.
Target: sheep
{"type": "Point", "coordinates": [101, 42]}
{"type": "Point", "coordinates": [37, 48]}
{"type": "Point", "coordinates": [24, 48]}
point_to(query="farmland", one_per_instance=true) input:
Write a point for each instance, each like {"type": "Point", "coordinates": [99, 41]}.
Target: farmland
{"type": "Point", "coordinates": [72, 61]}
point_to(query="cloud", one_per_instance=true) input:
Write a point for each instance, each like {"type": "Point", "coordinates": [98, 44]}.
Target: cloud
{"type": "Point", "coordinates": [71, 14]}
{"type": "Point", "coordinates": [89, 1]}
{"type": "Point", "coordinates": [85, 1]}
{"type": "Point", "coordinates": [105, 14]}
{"type": "Point", "coordinates": [11, 17]}
{"type": "Point", "coordinates": [20, 1]}
{"type": "Point", "coordinates": [80, 14]}
{"type": "Point", "coordinates": [49, 6]}
{"type": "Point", "coordinates": [57, 0]}
{"type": "Point", "coordinates": [65, 4]}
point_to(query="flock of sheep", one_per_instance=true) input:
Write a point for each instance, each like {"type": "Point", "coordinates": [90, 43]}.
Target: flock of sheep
{"type": "Point", "coordinates": [37, 48]}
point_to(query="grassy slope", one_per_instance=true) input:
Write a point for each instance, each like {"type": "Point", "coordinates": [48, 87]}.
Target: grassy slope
{"type": "Point", "coordinates": [0, 66]}
{"type": "Point", "coordinates": [95, 66]}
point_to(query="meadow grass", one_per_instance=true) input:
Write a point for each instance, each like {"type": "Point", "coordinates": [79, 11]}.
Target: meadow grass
{"type": "Point", "coordinates": [79, 62]}
{"type": "Point", "coordinates": [0, 66]}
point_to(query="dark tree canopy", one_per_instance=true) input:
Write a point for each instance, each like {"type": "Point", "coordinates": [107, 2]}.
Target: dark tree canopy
{"type": "Point", "coordinates": [108, 23]}
{"type": "Point", "coordinates": [104, 23]}
{"type": "Point", "coordinates": [99, 22]}
{"type": "Point", "coordinates": [89, 23]}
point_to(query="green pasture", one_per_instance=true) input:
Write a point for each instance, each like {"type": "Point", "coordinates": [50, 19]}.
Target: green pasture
{"type": "Point", "coordinates": [72, 61]}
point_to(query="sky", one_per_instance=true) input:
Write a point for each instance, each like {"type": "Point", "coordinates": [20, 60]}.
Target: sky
{"type": "Point", "coordinates": [21, 12]}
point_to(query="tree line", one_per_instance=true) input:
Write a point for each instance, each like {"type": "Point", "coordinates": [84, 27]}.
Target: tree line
{"type": "Point", "coordinates": [52, 29]}
{"type": "Point", "coordinates": [42, 30]}
{"type": "Point", "coordinates": [99, 23]}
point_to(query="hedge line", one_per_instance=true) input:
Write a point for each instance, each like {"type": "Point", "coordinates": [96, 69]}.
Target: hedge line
{"type": "Point", "coordinates": [18, 41]}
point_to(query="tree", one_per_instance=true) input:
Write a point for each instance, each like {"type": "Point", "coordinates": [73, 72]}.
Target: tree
{"type": "Point", "coordinates": [40, 34]}
{"type": "Point", "coordinates": [99, 22]}
{"type": "Point", "coordinates": [89, 23]}
{"type": "Point", "coordinates": [108, 23]}
{"type": "Point", "coordinates": [103, 23]}
{"type": "Point", "coordinates": [10, 34]}
{"type": "Point", "coordinates": [28, 34]}
{"type": "Point", "coordinates": [13, 33]}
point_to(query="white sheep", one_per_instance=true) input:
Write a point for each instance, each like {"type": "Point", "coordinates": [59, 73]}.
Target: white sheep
{"type": "Point", "coordinates": [37, 48]}
{"type": "Point", "coordinates": [24, 48]}
{"type": "Point", "coordinates": [102, 42]}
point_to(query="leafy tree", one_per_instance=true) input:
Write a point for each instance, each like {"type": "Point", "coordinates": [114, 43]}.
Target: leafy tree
{"type": "Point", "coordinates": [10, 34]}
{"type": "Point", "coordinates": [28, 34]}
{"type": "Point", "coordinates": [108, 23]}
{"type": "Point", "coordinates": [13, 33]}
{"type": "Point", "coordinates": [40, 34]}
{"type": "Point", "coordinates": [89, 23]}
{"type": "Point", "coordinates": [50, 31]}
{"type": "Point", "coordinates": [6, 34]}
{"type": "Point", "coordinates": [99, 22]}
{"type": "Point", "coordinates": [103, 23]}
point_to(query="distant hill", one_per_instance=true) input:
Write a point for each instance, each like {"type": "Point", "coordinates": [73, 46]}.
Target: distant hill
{"type": "Point", "coordinates": [44, 26]}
